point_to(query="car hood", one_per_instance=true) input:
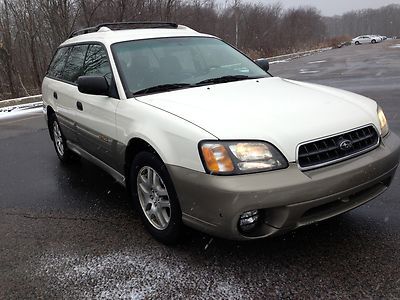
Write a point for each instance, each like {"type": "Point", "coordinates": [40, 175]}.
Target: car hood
{"type": "Point", "coordinates": [280, 111]}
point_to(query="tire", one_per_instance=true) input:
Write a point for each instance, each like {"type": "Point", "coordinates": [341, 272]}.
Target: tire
{"type": "Point", "coordinates": [155, 198]}
{"type": "Point", "coordinates": [373, 41]}
{"type": "Point", "coordinates": [59, 141]}
{"type": "Point", "coordinates": [357, 43]}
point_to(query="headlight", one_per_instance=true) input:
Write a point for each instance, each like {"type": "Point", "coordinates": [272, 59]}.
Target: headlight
{"type": "Point", "coordinates": [227, 158]}
{"type": "Point", "coordinates": [383, 122]}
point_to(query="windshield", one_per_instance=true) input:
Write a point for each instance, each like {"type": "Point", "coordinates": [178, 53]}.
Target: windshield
{"type": "Point", "coordinates": [180, 62]}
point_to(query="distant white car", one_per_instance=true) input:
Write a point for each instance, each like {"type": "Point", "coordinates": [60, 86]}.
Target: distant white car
{"type": "Point", "coordinates": [379, 38]}
{"type": "Point", "coordinates": [366, 39]}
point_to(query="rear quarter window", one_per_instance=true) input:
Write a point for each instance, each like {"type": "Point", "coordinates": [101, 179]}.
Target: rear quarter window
{"type": "Point", "coordinates": [57, 64]}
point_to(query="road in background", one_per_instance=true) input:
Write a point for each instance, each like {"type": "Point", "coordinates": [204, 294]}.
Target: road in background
{"type": "Point", "coordinates": [71, 232]}
{"type": "Point", "coordinates": [369, 70]}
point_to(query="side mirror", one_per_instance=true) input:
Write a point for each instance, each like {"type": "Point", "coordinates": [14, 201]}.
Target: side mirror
{"type": "Point", "coordinates": [263, 64]}
{"type": "Point", "coordinates": [93, 85]}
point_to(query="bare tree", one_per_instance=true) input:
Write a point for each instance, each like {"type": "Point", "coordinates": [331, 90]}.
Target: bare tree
{"type": "Point", "coordinates": [31, 30]}
{"type": "Point", "coordinates": [385, 20]}
{"type": "Point", "coordinates": [6, 49]}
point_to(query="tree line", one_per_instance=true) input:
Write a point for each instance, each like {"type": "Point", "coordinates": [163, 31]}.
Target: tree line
{"type": "Point", "coordinates": [383, 21]}
{"type": "Point", "coordinates": [31, 30]}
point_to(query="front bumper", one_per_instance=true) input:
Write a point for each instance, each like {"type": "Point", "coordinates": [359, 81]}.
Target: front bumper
{"type": "Point", "coordinates": [287, 198]}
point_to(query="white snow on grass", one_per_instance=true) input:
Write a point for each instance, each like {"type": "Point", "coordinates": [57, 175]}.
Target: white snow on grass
{"type": "Point", "coordinates": [133, 274]}
{"type": "Point", "coordinates": [20, 113]}
{"type": "Point", "coordinates": [395, 46]}
{"type": "Point", "coordinates": [15, 111]}
{"type": "Point", "coordinates": [21, 107]}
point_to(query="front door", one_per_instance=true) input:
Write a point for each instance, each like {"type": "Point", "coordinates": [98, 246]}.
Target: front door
{"type": "Point", "coordinates": [95, 115]}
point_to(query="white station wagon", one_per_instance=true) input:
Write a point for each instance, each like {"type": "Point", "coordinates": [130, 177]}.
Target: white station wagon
{"type": "Point", "coordinates": [205, 137]}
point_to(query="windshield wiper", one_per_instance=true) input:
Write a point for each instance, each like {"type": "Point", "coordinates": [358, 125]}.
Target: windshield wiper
{"type": "Point", "coordinates": [224, 79]}
{"type": "Point", "coordinates": [162, 88]}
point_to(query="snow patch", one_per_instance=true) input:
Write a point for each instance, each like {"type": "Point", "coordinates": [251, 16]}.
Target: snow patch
{"type": "Point", "coordinates": [12, 112]}
{"type": "Point", "coordinates": [304, 71]}
{"type": "Point", "coordinates": [395, 46]}
{"type": "Point", "coordinates": [21, 107]}
{"type": "Point", "coordinates": [317, 62]}
{"type": "Point", "coordinates": [19, 113]}
{"type": "Point", "coordinates": [132, 274]}
{"type": "Point", "coordinates": [279, 61]}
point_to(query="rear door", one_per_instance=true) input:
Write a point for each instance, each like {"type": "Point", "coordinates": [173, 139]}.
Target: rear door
{"type": "Point", "coordinates": [59, 91]}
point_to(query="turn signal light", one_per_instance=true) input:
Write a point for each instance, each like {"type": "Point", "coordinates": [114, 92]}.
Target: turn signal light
{"type": "Point", "coordinates": [217, 158]}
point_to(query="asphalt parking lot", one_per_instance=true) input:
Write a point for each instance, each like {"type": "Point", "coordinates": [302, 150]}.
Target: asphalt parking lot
{"type": "Point", "coordinates": [70, 232]}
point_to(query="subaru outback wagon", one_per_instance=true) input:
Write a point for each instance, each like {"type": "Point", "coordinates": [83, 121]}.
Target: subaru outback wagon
{"type": "Point", "coordinates": [205, 137]}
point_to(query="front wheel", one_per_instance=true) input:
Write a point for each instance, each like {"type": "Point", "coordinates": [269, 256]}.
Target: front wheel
{"type": "Point", "coordinates": [155, 198]}
{"type": "Point", "coordinates": [357, 43]}
{"type": "Point", "coordinates": [373, 41]}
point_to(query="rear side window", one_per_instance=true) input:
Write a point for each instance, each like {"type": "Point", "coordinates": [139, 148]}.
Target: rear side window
{"type": "Point", "coordinates": [96, 63]}
{"type": "Point", "coordinates": [74, 66]}
{"type": "Point", "coordinates": [58, 63]}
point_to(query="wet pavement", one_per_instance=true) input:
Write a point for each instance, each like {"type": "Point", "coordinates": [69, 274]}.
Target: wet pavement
{"type": "Point", "coordinates": [70, 232]}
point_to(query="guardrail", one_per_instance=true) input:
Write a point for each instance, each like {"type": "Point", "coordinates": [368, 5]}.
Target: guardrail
{"type": "Point", "coordinates": [297, 54]}
{"type": "Point", "coordinates": [21, 100]}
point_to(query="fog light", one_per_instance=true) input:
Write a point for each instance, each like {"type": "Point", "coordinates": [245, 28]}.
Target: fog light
{"type": "Point", "coordinates": [248, 220]}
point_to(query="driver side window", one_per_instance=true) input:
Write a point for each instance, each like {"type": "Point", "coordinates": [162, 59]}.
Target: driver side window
{"type": "Point", "coordinates": [97, 63]}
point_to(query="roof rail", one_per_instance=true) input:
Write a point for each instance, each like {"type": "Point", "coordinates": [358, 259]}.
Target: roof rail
{"type": "Point", "coordinates": [124, 25]}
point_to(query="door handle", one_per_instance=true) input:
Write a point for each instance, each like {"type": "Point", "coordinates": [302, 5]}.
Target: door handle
{"type": "Point", "coordinates": [55, 95]}
{"type": "Point", "coordinates": [79, 105]}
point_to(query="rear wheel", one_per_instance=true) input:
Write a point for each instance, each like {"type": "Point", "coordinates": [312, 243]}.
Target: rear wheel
{"type": "Point", "coordinates": [59, 141]}
{"type": "Point", "coordinates": [155, 198]}
{"type": "Point", "coordinates": [373, 41]}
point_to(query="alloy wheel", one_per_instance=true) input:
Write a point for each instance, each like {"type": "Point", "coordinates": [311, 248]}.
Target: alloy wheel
{"type": "Point", "coordinates": [58, 140]}
{"type": "Point", "coordinates": [153, 197]}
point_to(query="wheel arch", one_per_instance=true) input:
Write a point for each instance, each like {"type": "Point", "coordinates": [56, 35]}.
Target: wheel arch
{"type": "Point", "coordinates": [50, 114]}
{"type": "Point", "coordinates": [134, 147]}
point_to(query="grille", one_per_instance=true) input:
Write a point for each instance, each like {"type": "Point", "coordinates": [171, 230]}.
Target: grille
{"type": "Point", "coordinates": [337, 148]}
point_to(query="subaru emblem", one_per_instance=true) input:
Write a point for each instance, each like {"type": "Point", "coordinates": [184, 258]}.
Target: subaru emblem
{"type": "Point", "coordinates": [345, 145]}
